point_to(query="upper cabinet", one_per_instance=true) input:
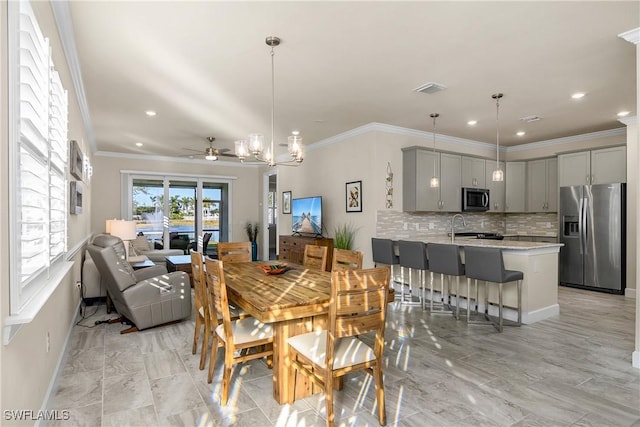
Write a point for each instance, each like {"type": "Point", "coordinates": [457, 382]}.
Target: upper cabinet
{"type": "Point", "coordinates": [419, 165]}
{"type": "Point", "coordinates": [473, 174]}
{"type": "Point", "coordinates": [542, 185]}
{"type": "Point", "coordinates": [603, 166]}
{"type": "Point", "coordinates": [496, 188]}
{"type": "Point", "coordinates": [515, 187]}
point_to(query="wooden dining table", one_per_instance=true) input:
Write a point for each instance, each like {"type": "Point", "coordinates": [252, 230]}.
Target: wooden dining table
{"type": "Point", "coordinates": [294, 302]}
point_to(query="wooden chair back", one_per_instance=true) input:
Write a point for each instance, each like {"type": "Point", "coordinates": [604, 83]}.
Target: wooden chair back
{"type": "Point", "coordinates": [315, 257]}
{"type": "Point", "coordinates": [344, 259]}
{"type": "Point", "coordinates": [234, 251]}
{"type": "Point", "coordinates": [217, 296]}
{"type": "Point", "coordinates": [198, 279]}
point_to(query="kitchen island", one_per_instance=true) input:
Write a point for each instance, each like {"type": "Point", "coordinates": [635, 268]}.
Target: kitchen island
{"type": "Point", "coordinates": [539, 263]}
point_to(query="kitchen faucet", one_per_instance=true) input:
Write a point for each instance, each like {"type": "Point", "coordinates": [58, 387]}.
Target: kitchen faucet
{"type": "Point", "coordinates": [453, 219]}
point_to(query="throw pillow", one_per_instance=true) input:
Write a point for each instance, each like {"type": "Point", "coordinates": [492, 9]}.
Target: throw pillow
{"type": "Point", "coordinates": [141, 244]}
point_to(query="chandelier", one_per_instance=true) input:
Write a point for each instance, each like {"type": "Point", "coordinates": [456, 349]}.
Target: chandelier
{"type": "Point", "coordinates": [498, 174]}
{"type": "Point", "coordinates": [254, 146]}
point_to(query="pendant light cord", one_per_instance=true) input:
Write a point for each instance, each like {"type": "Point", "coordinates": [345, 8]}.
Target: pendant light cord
{"type": "Point", "coordinates": [497, 133]}
{"type": "Point", "coordinates": [273, 106]}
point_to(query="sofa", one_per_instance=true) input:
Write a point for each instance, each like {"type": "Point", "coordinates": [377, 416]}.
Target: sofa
{"type": "Point", "coordinates": [142, 246]}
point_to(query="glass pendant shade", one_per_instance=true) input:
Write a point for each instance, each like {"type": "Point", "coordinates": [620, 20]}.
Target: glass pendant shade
{"type": "Point", "coordinates": [435, 182]}
{"type": "Point", "coordinates": [498, 175]}
{"type": "Point", "coordinates": [294, 145]}
{"type": "Point", "coordinates": [241, 149]}
{"type": "Point", "coordinates": [256, 143]}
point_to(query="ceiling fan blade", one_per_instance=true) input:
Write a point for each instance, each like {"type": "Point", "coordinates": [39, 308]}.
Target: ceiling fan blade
{"type": "Point", "coordinates": [227, 155]}
{"type": "Point", "coordinates": [191, 149]}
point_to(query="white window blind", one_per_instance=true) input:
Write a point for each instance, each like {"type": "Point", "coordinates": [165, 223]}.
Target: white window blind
{"type": "Point", "coordinates": [40, 155]}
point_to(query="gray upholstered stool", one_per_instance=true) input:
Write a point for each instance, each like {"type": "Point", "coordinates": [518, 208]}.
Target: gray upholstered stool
{"type": "Point", "coordinates": [384, 252]}
{"type": "Point", "coordinates": [445, 259]}
{"type": "Point", "coordinates": [412, 256]}
{"type": "Point", "coordinates": [487, 264]}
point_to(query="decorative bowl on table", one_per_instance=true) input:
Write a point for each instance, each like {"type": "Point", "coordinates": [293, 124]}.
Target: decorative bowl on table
{"type": "Point", "coordinates": [274, 268]}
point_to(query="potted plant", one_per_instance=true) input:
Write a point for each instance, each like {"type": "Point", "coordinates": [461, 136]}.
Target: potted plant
{"type": "Point", "coordinates": [252, 234]}
{"type": "Point", "coordinates": [344, 235]}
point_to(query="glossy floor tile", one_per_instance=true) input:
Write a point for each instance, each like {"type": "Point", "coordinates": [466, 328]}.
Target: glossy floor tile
{"type": "Point", "coordinates": [570, 370]}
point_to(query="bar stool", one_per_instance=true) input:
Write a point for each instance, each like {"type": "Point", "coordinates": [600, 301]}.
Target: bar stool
{"type": "Point", "coordinates": [384, 252]}
{"type": "Point", "coordinates": [412, 255]}
{"type": "Point", "coordinates": [445, 259]}
{"type": "Point", "coordinates": [488, 264]}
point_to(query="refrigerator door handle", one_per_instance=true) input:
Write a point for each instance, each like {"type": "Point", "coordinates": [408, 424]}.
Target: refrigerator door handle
{"type": "Point", "coordinates": [581, 225]}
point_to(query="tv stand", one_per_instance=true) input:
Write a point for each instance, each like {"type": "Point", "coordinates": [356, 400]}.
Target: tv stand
{"type": "Point", "coordinates": [291, 248]}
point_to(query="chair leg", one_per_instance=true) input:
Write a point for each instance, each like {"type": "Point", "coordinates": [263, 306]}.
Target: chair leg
{"type": "Point", "coordinates": [205, 344]}
{"type": "Point", "coordinates": [226, 377]}
{"type": "Point", "coordinates": [196, 334]}
{"type": "Point", "coordinates": [214, 353]}
{"type": "Point", "coordinates": [328, 397]}
{"type": "Point", "coordinates": [468, 300]}
{"type": "Point", "coordinates": [431, 302]}
{"type": "Point", "coordinates": [377, 377]}
{"type": "Point", "coordinates": [519, 302]}
{"type": "Point", "coordinates": [457, 297]}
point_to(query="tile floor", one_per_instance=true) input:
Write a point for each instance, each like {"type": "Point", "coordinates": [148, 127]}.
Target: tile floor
{"type": "Point", "coordinates": [570, 370]}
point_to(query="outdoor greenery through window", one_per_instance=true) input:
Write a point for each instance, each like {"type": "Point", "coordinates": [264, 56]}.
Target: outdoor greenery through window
{"type": "Point", "coordinates": [174, 207]}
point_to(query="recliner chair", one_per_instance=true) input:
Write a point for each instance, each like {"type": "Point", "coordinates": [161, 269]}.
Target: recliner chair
{"type": "Point", "coordinates": [147, 297]}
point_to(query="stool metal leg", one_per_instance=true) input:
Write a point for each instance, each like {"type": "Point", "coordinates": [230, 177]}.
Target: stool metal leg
{"type": "Point", "coordinates": [519, 302]}
{"type": "Point", "coordinates": [500, 306]}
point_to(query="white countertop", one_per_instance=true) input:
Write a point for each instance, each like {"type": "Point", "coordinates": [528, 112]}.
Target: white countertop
{"type": "Point", "coordinates": [488, 243]}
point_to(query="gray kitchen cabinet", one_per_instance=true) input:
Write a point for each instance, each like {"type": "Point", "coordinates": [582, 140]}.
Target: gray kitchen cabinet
{"type": "Point", "coordinates": [496, 188]}
{"type": "Point", "coordinates": [515, 187]}
{"type": "Point", "coordinates": [602, 166]}
{"type": "Point", "coordinates": [418, 168]}
{"type": "Point", "coordinates": [473, 174]}
{"type": "Point", "coordinates": [542, 185]}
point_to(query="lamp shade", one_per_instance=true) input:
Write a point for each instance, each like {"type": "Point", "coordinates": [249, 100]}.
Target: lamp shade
{"type": "Point", "coordinates": [107, 225]}
{"type": "Point", "coordinates": [126, 230]}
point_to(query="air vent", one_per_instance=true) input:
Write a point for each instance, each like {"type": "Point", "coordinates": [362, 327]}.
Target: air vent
{"type": "Point", "coordinates": [529, 119]}
{"type": "Point", "coordinates": [430, 88]}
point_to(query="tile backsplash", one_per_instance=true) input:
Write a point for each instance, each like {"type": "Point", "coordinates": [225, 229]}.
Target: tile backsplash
{"type": "Point", "coordinates": [416, 225]}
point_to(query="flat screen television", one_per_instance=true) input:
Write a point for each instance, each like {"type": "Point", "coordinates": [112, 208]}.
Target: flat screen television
{"type": "Point", "coordinates": [307, 215]}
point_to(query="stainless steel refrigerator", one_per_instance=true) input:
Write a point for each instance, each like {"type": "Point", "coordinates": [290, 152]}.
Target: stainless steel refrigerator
{"type": "Point", "coordinates": [593, 230]}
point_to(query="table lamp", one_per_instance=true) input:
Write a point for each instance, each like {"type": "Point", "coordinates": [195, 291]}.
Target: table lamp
{"type": "Point", "coordinates": [126, 230]}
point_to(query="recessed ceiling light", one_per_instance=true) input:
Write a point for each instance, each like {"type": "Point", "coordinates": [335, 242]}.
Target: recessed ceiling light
{"type": "Point", "coordinates": [472, 122]}
{"type": "Point", "coordinates": [578, 95]}
{"type": "Point", "coordinates": [138, 144]}
{"type": "Point", "coordinates": [150, 113]}
{"type": "Point", "coordinates": [623, 113]}
{"type": "Point", "coordinates": [520, 133]}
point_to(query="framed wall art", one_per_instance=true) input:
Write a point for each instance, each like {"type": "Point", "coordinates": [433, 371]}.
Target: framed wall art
{"type": "Point", "coordinates": [76, 160]}
{"type": "Point", "coordinates": [353, 196]}
{"type": "Point", "coordinates": [75, 197]}
{"type": "Point", "coordinates": [286, 202]}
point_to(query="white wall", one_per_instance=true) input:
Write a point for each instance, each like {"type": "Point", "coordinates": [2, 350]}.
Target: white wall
{"type": "Point", "coordinates": [246, 187]}
{"type": "Point", "coordinates": [27, 369]}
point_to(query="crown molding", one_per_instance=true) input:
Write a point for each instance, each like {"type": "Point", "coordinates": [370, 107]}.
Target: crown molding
{"type": "Point", "coordinates": [632, 36]}
{"type": "Point", "coordinates": [398, 130]}
{"type": "Point", "coordinates": [567, 140]}
{"type": "Point", "coordinates": [62, 16]}
{"type": "Point", "coordinates": [113, 154]}
{"type": "Point", "coordinates": [629, 120]}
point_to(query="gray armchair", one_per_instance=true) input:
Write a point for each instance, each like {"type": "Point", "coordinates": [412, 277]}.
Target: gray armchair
{"type": "Point", "coordinates": [146, 297]}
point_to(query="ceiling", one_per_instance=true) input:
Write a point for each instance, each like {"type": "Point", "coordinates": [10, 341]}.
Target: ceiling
{"type": "Point", "coordinates": [204, 68]}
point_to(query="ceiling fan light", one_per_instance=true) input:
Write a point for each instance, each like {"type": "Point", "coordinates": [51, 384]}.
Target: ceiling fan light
{"type": "Point", "coordinates": [211, 157]}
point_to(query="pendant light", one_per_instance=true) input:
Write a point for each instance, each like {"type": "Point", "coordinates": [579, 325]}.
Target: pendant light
{"type": "Point", "coordinates": [435, 181]}
{"type": "Point", "coordinates": [498, 174]}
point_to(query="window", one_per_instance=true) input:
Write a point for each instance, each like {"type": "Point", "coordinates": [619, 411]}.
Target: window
{"type": "Point", "coordinates": [272, 207]}
{"type": "Point", "coordinates": [192, 206]}
{"type": "Point", "coordinates": [39, 155]}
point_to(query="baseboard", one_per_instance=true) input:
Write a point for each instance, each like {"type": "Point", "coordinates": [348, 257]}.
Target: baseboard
{"type": "Point", "coordinates": [61, 360]}
{"type": "Point", "coordinates": [630, 293]}
{"type": "Point", "coordinates": [635, 357]}
{"type": "Point", "coordinates": [541, 314]}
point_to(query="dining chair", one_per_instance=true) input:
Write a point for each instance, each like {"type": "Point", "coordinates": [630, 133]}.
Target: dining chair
{"type": "Point", "coordinates": [234, 335]}
{"type": "Point", "coordinates": [315, 256]}
{"type": "Point", "coordinates": [358, 305]}
{"type": "Point", "coordinates": [234, 251]}
{"type": "Point", "coordinates": [344, 259]}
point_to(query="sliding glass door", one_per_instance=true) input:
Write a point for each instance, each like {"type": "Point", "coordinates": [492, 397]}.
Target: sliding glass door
{"type": "Point", "coordinates": [177, 211]}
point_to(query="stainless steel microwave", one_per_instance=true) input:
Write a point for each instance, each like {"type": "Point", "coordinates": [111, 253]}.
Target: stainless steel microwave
{"type": "Point", "coordinates": [475, 199]}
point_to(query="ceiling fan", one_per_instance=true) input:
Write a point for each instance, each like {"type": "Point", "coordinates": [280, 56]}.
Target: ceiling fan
{"type": "Point", "coordinates": [210, 153]}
